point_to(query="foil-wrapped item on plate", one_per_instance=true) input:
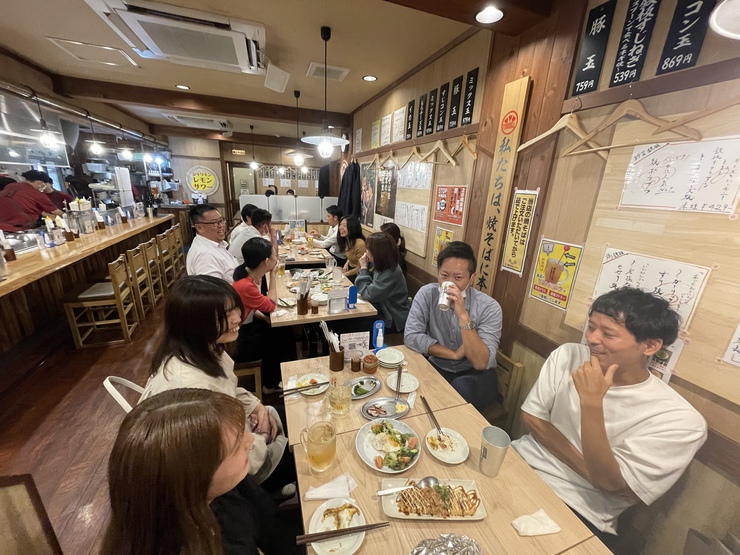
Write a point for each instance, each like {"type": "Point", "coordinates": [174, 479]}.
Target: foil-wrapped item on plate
{"type": "Point", "coordinates": [447, 544]}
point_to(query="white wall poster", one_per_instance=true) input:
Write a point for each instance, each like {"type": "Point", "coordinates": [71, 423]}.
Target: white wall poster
{"type": "Point", "coordinates": [413, 216]}
{"type": "Point", "coordinates": [385, 130]}
{"type": "Point", "coordinates": [358, 140]}
{"type": "Point", "coordinates": [399, 125]}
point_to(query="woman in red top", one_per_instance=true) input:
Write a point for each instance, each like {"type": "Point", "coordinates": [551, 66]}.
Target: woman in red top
{"type": "Point", "coordinates": [257, 339]}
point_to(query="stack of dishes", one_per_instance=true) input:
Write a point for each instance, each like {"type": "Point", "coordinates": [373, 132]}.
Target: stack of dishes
{"type": "Point", "coordinates": [389, 358]}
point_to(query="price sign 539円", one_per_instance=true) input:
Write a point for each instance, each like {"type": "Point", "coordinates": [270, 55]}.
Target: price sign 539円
{"type": "Point", "coordinates": [201, 179]}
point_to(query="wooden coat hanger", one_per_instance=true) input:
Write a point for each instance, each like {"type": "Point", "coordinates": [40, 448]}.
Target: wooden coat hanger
{"type": "Point", "coordinates": [466, 144]}
{"type": "Point", "coordinates": [440, 147]}
{"type": "Point", "coordinates": [392, 158]}
{"type": "Point", "coordinates": [415, 152]}
{"type": "Point", "coordinates": [698, 115]}
{"type": "Point", "coordinates": [568, 121]}
{"type": "Point", "coordinates": [635, 109]}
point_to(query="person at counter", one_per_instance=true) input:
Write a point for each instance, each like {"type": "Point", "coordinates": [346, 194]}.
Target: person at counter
{"type": "Point", "coordinates": [209, 254]}
{"type": "Point", "coordinates": [460, 342]}
{"type": "Point", "coordinates": [351, 242]}
{"type": "Point", "coordinates": [23, 204]}
{"type": "Point", "coordinates": [57, 197]}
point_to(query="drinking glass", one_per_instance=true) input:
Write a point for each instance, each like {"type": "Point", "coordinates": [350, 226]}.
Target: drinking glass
{"type": "Point", "coordinates": [340, 395]}
{"type": "Point", "coordinates": [320, 443]}
{"type": "Point", "coordinates": [281, 266]}
{"type": "Point", "coordinates": [329, 262]}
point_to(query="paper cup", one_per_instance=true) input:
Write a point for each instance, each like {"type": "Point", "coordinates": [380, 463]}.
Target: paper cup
{"type": "Point", "coordinates": [494, 444]}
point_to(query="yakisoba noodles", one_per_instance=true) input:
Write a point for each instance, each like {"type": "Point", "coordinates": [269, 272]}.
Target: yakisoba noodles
{"type": "Point", "coordinates": [439, 501]}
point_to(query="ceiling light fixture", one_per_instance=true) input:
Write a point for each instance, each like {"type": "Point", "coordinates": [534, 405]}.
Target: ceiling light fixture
{"type": "Point", "coordinates": [183, 87]}
{"type": "Point", "coordinates": [148, 158]}
{"type": "Point", "coordinates": [327, 140]}
{"type": "Point", "coordinates": [95, 148]}
{"type": "Point", "coordinates": [253, 164]}
{"type": "Point", "coordinates": [126, 154]}
{"type": "Point", "coordinates": [725, 19]}
{"type": "Point", "coordinates": [47, 138]}
{"type": "Point", "coordinates": [158, 161]}
{"type": "Point", "coordinates": [13, 154]}
{"type": "Point", "coordinates": [298, 155]}
{"type": "Point", "coordinates": [369, 78]}
{"type": "Point", "coordinates": [489, 15]}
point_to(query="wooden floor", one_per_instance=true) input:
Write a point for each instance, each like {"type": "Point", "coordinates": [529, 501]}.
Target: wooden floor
{"type": "Point", "coordinates": [59, 423]}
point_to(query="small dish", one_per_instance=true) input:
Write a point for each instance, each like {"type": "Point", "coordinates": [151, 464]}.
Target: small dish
{"type": "Point", "coordinates": [305, 379]}
{"type": "Point", "coordinates": [409, 383]}
{"type": "Point", "coordinates": [455, 453]}
{"type": "Point", "coordinates": [322, 298]}
{"type": "Point", "coordinates": [345, 545]}
{"type": "Point", "coordinates": [368, 383]}
{"type": "Point", "coordinates": [385, 407]}
{"type": "Point", "coordinates": [389, 357]}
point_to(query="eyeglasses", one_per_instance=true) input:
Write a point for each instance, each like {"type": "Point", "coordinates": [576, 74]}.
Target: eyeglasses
{"type": "Point", "coordinates": [222, 221]}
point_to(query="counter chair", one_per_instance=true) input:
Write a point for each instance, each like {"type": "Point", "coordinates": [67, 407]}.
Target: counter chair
{"type": "Point", "coordinates": [103, 309]}
{"type": "Point", "coordinates": [141, 281]}
{"type": "Point", "coordinates": [510, 378]}
{"type": "Point", "coordinates": [166, 259]}
{"type": "Point", "coordinates": [155, 270]}
{"type": "Point", "coordinates": [179, 249]}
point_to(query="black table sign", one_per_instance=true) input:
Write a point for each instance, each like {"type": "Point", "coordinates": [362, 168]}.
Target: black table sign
{"type": "Point", "coordinates": [591, 59]}
{"type": "Point", "coordinates": [635, 40]}
{"type": "Point", "coordinates": [686, 35]}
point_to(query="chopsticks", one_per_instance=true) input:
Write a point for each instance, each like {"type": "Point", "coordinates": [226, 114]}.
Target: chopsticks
{"type": "Point", "coordinates": [331, 338]}
{"type": "Point", "coordinates": [302, 388]}
{"type": "Point", "coordinates": [331, 534]}
{"type": "Point", "coordinates": [431, 415]}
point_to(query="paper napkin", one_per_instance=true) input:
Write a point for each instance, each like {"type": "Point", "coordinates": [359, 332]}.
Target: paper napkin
{"type": "Point", "coordinates": [338, 487]}
{"type": "Point", "coordinates": [411, 399]}
{"type": "Point", "coordinates": [536, 524]}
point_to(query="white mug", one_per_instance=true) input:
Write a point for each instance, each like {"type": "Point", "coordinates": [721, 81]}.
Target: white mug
{"type": "Point", "coordinates": [494, 444]}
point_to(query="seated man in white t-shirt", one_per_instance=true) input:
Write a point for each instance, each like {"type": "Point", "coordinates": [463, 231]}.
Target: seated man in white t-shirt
{"type": "Point", "coordinates": [208, 254]}
{"type": "Point", "coordinates": [605, 433]}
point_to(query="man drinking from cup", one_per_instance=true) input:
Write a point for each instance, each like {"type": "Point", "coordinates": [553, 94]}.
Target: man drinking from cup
{"type": "Point", "coordinates": [457, 327]}
{"type": "Point", "coordinates": [604, 432]}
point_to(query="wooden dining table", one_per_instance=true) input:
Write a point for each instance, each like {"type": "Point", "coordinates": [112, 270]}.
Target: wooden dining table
{"type": "Point", "coordinates": [303, 410]}
{"type": "Point", "coordinates": [314, 257]}
{"type": "Point", "coordinates": [592, 546]}
{"type": "Point", "coordinates": [516, 491]}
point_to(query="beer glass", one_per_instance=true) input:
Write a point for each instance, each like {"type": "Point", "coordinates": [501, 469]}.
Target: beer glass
{"type": "Point", "coordinates": [320, 443]}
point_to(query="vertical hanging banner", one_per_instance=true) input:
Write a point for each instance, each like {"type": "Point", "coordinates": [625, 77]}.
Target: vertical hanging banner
{"type": "Point", "coordinates": [686, 35]}
{"type": "Point", "coordinates": [410, 121]}
{"type": "Point", "coordinates": [633, 45]}
{"type": "Point", "coordinates": [593, 47]}
{"type": "Point", "coordinates": [455, 103]}
{"type": "Point", "coordinates": [471, 82]}
{"type": "Point", "coordinates": [431, 114]}
{"type": "Point", "coordinates": [422, 115]}
{"type": "Point", "coordinates": [517, 231]}
{"type": "Point", "coordinates": [508, 138]}
{"type": "Point", "coordinates": [444, 91]}
{"type": "Point", "coordinates": [555, 272]}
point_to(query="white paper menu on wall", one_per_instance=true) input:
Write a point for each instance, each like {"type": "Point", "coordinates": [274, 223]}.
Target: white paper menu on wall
{"type": "Point", "coordinates": [413, 216]}
{"type": "Point", "coordinates": [385, 130]}
{"type": "Point", "coordinates": [680, 283]}
{"type": "Point", "coordinates": [732, 354]}
{"type": "Point", "coordinates": [399, 125]}
{"type": "Point", "coordinates": [695, 177]}
{"type": "Point", "coordinates": [415, 175]}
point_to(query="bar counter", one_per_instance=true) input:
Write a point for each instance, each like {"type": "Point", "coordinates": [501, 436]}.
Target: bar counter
{"type": "Point", "coordinates": [31, 295]}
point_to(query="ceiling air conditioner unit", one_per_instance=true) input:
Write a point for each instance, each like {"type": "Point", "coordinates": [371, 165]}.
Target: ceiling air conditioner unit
{"type": "Point", "coordinates": [185, 36]}
{"type": "Point", "coordinates": [197, 122]}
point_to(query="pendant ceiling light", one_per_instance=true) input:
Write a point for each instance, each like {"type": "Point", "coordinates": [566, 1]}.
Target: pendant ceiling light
{"type": "Point", "coordinates": [47, 138]}
{"type": "Point", "coordinates": [253, 164]}
{"type": "Point", "coordinates": [298, 155]}
{"type": "Point", "coordinates": [725, 19]}
{"type": "Point", "coordinates": [327, 140]}
{"type": "Point", "coordinates": [96, 148]}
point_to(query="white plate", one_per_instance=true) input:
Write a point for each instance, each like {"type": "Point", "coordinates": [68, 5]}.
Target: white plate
{"type": "Point", "coordinates": [409, 383]}
{"type": "Point", "coordinates": [364, 446]}
{"type": "Point", "coordinates": [459, 452]}
{"type": "Point", "coordinates": [346, 545]}
{"type": "Point", "coordinates": [322, 298]}
{"type": "Point", "coordinates": [389, 356]}
{"type": "Point", "coordinates": [390, 508]}
{"type": "Point", "coordinates": [305, 379]}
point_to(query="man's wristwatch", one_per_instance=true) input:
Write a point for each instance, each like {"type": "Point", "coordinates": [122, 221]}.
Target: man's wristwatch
{"type": "Point", "coordinates": [469, 326]}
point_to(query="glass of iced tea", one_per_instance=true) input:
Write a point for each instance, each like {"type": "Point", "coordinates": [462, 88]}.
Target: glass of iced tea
{"type": "Point", "coordinates": [340, 395]}
{"type": "Point", "coordinates": [281, 266]}
{"type": "Point", "coordinates": [320, 443]}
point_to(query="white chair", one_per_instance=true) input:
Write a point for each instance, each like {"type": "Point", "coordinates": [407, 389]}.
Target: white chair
{"type": "Point", "coordinates": [108, 383]}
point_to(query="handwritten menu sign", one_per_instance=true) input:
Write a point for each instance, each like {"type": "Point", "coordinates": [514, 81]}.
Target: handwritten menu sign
{"type": "Point", "coordinates": [517, 234]}
{"type": "Point", "coordinates": [696, 177]}
{"type": "Point", "coordinates": [471, 82]}
{"type": "Point", "coordinates": [375, 135]}
{"type": "Point", "coordinates": [591, 59]}
{"type": "Point", "coordinates": [385, 130]}
{"type": "Point", "coordinates": [422, 115]}
{"type": "Point", "coordinates": [399, 125]}
{"type": "Point", "coordinates": [732, 354]}
{"type": "Point", "coordinates": [415, 175]}
{"type": "Point", "coordinates": [442, 111]}
{"type": "Point", "coordinates": [686, 35]}
{"type": "Point", "coordinates": [455, 102]}
{"type": "Point", "coordinates": [410, 121]}
{"type": "Point", "coordinates": [633, 45]}
{"type": "Point", "coordinates": [358, 140]}
{"type": "Point", "coordinates": [680, 283]}
{"type": "Point", "coordinates": [449, 203]}
{"type": "Point", "coordinates": [431, 113]}
{"type": "Point", "coordinates": [412, 216]}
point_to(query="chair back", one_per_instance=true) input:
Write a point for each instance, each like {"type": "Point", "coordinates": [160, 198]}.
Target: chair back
{"type": "Point", "coordinates": [108, 384]}
{"type": "Point", "coordinates": [151, 254]}
{"type": "Point", "coordinates": [24, 524]}
{"type": "Point", "coordinates": [510, 377]}
{"type": "Point", "coordinates": [119, 276]}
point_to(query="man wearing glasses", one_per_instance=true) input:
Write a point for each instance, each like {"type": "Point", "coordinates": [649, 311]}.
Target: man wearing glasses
{"type": "Point", "coordinates": [209, 254]}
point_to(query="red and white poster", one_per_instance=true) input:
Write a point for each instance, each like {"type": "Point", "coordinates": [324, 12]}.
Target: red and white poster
{"type": "Point", "coordinates": [449, 203]}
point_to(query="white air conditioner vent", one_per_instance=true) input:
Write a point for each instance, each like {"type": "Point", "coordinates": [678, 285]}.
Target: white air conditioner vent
{"type": "Point", "coordinates": [199, 122]}
{"type": "Point", "coordinates": [333, 73]}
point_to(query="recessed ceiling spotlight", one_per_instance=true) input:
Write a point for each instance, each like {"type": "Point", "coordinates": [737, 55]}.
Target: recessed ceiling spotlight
{"type": "Point", "coordinates": [183, 87]}
{"type": "Point", "coordinates": [489, 15]}
{"type": "Point", "coordinates": [369, 78]}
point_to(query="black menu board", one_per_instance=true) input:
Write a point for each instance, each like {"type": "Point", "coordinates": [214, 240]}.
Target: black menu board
{"type": "Point", "coordinates": [591, 58]}
{"type": "Point", "coordinates": [444, 91]}
{"type": "Point", "coordinates": [455, 103]}
{"type": "Point", "coordinates": [686, 35]}
{"type": "Point", "coordinates": [471, 82]}
{"type": "Point", "coordinates": [422, 115]}
{"type": "Point", "coordinates": [633, 45]}
{"type": "Point", "coordinates": [431, 113]}
{"type": "Point", "coordinates": [410, 121]}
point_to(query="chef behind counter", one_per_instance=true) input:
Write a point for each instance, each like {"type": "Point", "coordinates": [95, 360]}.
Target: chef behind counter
{"type": "Point", "coordinates": [23, 204]}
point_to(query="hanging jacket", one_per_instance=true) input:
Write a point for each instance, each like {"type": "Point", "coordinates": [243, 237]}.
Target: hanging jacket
{"type": "Point", "coordinates": [350, 193]}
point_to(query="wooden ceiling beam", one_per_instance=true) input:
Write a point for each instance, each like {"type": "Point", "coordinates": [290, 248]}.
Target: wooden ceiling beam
{"type": "Point", "coordinates": [241, 138]}
{"type": "Point", "coordinates": [519, 15]}
{"type": "Point", "coordinates": [113, 93]}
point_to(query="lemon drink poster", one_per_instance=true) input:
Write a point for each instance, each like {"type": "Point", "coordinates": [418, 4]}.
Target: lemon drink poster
{"type": "Point", "coordinates": [555, 272]}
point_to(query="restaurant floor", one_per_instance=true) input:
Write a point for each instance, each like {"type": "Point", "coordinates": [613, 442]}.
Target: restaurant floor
{"type": "Point", "coordinates": [58, 424]}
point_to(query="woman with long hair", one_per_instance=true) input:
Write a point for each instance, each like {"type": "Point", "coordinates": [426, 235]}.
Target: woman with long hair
{"type": "Point", "coordinates": [384, 285]}
{"type": "Point", "coordinates": [202, 315]}
{"type": "Point", "coordinates": [175, 454]}
{"type": "Point", "coordinates": [351, 242]}
{"type": "Point", "coordinates": [394, 231]}
{"type": "Point", "coordinates": [257, 339]}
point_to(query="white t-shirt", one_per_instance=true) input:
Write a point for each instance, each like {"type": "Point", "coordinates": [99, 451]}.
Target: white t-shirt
{"type": "Point", "coordinates": [208, 258]}
{"type": "Point", "coordinates": [653, 432]}
{"type": "Point", "coordinates": [235, 248]}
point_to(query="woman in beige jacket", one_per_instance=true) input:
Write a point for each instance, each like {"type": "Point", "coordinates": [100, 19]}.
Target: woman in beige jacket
{"type": "Point", "coordinates": [351, 243]}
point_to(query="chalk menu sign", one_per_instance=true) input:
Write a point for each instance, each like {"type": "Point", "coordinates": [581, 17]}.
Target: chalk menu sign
{"type": "Point", "coordinates": [410, 120]}
{"type": "Point", "coordinates": [422, 115]}
{"type": "Point", "coordinates": [591, 58]}
{"type": "Point", "coordinates": [442, 111]}
{"type": "Point", "coordinates": [431, 113]}
{"type": "Point", "coordinates": [633, 45]}
{"type": "Point", "coordinates": [686, 35]}
{"type": "Point", "coordinates": [455, 102]}
{"type": "Point", "coordinates": [471, 82]}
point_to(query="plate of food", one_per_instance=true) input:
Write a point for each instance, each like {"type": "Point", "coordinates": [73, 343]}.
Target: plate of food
{"type": "Point", "coordinates": [385, 407]}
{"type": "Point", "coordinates": [409, 383]}
{"type": "Point", "coordinates": [449, 446]}
{"type": "Point", "coordinates": [450, 500]}
{"type": "Point", "coordinates": [364, 387]}
{"type": "Point", "coordinates": [388, 446]}
{"type": "Point", "coordinates": [321, 381]}
{"type": "Point", "coordinates": [337, 514]}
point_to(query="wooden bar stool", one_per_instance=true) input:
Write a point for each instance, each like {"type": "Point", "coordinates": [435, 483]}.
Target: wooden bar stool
{"type": "Point", "coordinates": [141, 281]}
{"type": "Point", "coordinates": [166, 260]}
{"type": "Point", "coordinates": [103, 308]}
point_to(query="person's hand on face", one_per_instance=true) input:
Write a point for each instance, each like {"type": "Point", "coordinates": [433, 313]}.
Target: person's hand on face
{"type": "Point", "coordinates": [591, 382]}
{"type": "Point", "coordinates": [364, 261]}
{"type": "Point", "coordinates": [457, 303]}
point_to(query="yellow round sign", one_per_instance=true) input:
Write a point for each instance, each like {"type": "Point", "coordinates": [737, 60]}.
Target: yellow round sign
{"type": "Point", "coordinates": [201, 179]}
